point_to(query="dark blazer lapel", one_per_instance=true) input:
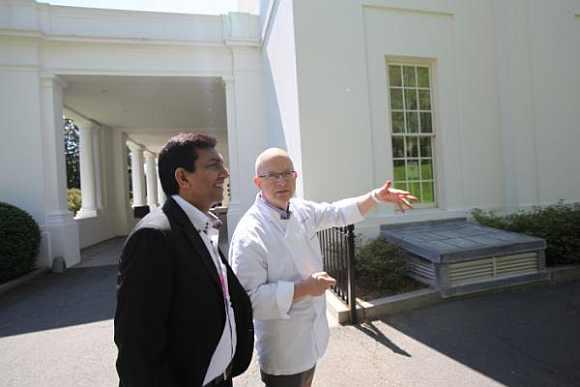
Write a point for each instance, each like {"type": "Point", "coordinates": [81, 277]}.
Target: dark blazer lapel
{"type": "Point", "coordinates": [177, 216]}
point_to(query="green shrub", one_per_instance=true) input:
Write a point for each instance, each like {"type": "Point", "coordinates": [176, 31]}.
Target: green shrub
{"type": "Point", "coordinates": [381, 270]}
{"type": "Point", "coordinates": [19, 242]}
{"type": "Point", "coordinates": [73, 197]}
{"type": "Point", "coordinates": [558, 224]}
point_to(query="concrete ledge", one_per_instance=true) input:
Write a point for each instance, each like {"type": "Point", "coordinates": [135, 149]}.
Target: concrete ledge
{"type": "Point", "coordinates": [492, 285]}
{"type": "Point", "coordinates": [337, 309]}
{"type": "Point", "coordinates": [404, 302]}
{"type": "Point", "coordinates": [5, 287]}
{"type": "Point", "coordinates": [564, 273]}
{"type": "Point", "coordinates": [369, 310]}
{"type": "Point", "coordinates": [380, 307]}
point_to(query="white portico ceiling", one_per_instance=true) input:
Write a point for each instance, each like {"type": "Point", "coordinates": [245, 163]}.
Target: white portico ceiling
{"type": "Point", "coordinates": [155, 139]}
{"type": "Point", "coordinates": [133, 102]}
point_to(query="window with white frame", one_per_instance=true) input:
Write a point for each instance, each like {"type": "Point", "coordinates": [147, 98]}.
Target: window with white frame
{"type": "Point", "coordinates": [412, 130]}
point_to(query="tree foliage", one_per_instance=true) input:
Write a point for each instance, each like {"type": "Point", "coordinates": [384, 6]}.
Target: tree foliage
{"type": "Point", "coordinates": [71, 152]}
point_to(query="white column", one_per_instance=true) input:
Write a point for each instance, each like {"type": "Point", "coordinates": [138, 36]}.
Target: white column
{"type": "Point", "coordinates": [161, 197]}
{"type": "Point", "coordinates": [137, 174]}
{"type": "Point", "coordinates": [61, 229]}
{"type": "Point", "coordinates": [87, 166]}
{"type": "Point", "coordinates": [245, 114]}
{"type": "Point", "coordinates": [151, 176]}
{"type": "Point", "coordinates": [98, 138]}
{"type": "Point", "coordinates": [122, 213]}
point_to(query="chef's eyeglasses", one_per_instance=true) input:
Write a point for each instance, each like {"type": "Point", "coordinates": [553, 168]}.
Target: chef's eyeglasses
{"type": "Point", "coordinates": [272, 176]}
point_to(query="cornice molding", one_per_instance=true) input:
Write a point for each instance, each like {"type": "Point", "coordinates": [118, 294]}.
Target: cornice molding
{"type": "Point", "coordinates": [234, 28]}
{"type": "Point", "coordinates": [398, 6]}
{"type": "Point", "coordinates": [232, 43]}
{"type": "Point", "coordinates": [134, 147]}
{"type": "Point", "coordinates": [21, 33]}
{"type": "Point", "coordinates": [26, 68]}
{"type": "Point", "coordinates": [50, 79]}
{"type": "Point", "coordinates": [41, 36]}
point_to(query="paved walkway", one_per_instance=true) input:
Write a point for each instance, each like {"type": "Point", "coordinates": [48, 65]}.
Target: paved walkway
{"type": "Point", "coordinates": [57, 331]}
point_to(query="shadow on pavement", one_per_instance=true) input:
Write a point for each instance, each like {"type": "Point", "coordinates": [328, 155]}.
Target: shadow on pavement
{"type": "Point", "coordinates": [82, 294]}
{"type": "Point", "coordinates": [522, 337]}
{"type": "Point", "coordinates": [78, 296]}
{"type": "Point", "coordinates": [370, 330]}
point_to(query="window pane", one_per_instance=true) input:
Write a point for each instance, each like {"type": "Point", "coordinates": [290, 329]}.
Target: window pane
{"type": "Point", "coordinates": [409, 74]}
{"type": "Point", "coordinates": [400, 185]}
{"type": "Point", "coordinates": [412, 122]}
{"type": "Point", "coordinates": [398, 147]}
{"type": "Point", "coordinates": [426, 169]}
{"type": "Point", "coordinates": [410, 99]}
{"type": "Point", "coordinates": [398, 120]}
{"type": "Point", "coordinates": [426, 124]}
{"type": "Point", "coordinates": [411, 110]}
{"type": "Point", "coordinates": [427, 194]}
{"type": "Point", "coordinates": [424, 100]}
{"type": "Point", "coordinates": [395, 75]}
{"type": "Point", "coordinates": [412, 147]}
{"type": "Point", "coordinates": [413, 169]}
{"type": "Point", "coordinates": [423, 75]}
{"type": "Point", "coordinates": [426, 150]}
{"type": "Point", "coordinates": [396, 99]}
{"type": "Point", "coordinates": [399, 170]}
{"type": "Point", "coordinates": [415, 189]}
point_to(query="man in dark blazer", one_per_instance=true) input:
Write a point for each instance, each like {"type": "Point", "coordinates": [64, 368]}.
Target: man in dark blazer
{"type": "Point", "coordinates": [182, 317]}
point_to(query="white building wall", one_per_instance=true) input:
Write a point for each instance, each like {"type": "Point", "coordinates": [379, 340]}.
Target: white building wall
{"type": "Point", "coordinates": [505, 94]}
{"type": "Point", "coordinates": [505, 82]}
{"type": "Point", "coordinates": [479, 156]}
{"type": "Point", "coordinates": [22, 181]}
{"type": "Point", "coordinates": [38, 40]}
{"type": "Point", "coordinates": [333, 100]}
{"type": "Point", "coordinates": [554, 62]}
{"type": "Point", "coordinates": [247, 131]}
{"type": "Point", "coordinates": [30, 171]}
{"type": "Point", "coordinates": [281, 82]}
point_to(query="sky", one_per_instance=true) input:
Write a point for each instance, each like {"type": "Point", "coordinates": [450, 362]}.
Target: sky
{"type": "Point", "coordinates": [212, 7]}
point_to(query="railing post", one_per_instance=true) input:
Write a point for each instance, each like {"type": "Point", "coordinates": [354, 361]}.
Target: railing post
{"type": "Point", "coordinates": [351, 274]}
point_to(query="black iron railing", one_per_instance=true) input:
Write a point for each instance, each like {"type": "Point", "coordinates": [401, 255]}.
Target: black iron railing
{"type": "Point", "coordinates": [337, 245]}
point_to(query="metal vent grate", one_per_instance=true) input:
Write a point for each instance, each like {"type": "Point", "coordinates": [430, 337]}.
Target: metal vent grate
{"type": "Point", "coordinates": [493, 268]}
{"type": "Point", "coordinates": [477, 270]}
{"type": "Point", "coordinates": [421, 267]}
{"type": "Point", "coordinates": [517, 264]}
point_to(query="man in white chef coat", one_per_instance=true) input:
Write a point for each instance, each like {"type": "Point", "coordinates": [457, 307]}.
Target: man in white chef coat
{"type": "Point", "coordinates": [276, 255]}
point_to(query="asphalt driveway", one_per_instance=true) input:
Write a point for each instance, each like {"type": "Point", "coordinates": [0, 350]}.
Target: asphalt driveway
{"type": "Point", "coordinates": [57, 331]}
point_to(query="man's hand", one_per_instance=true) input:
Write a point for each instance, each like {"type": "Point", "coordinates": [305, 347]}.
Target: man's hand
{"type": "Point", "coordinates": [399, 197]}
{"type": "Point", "coordinates": [315, 285]}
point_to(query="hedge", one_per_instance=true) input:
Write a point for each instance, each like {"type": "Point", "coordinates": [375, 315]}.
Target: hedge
{"type": "Point", "coordinates": [558, 224]}
{"type": "Point", "coordinates": [381, 270]}
{"type": "Point", "coordinates": [19, 242]}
